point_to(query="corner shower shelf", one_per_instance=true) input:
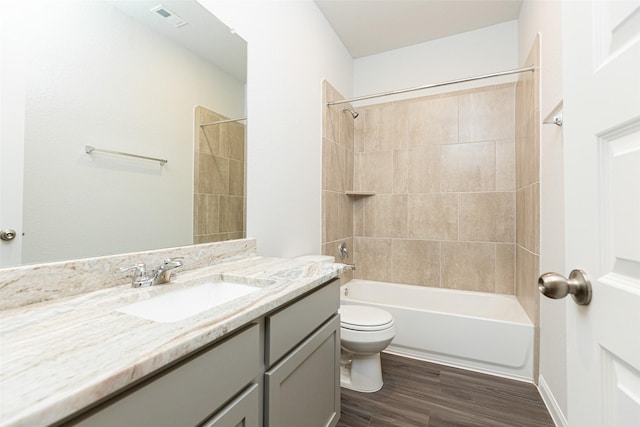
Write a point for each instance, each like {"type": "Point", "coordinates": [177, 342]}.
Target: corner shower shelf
{"type": "Point", "coordinates": [360, 193]}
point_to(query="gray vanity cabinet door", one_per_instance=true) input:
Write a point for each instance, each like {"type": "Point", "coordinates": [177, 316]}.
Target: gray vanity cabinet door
{"type": "Point", "coordinates": [241, 412]}
{"type": "Point", "coordinates": [303, 389]}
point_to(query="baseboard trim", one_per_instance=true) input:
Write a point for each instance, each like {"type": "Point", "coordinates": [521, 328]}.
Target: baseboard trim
{"type": "Point", "coordinates": [552, 404]}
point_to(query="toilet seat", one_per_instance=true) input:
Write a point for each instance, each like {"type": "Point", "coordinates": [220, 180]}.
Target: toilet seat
{"type": "Point", "coordinates": [364, 318]}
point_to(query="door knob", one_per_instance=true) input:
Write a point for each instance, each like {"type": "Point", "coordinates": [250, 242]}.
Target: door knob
{"type": "Point", "coordinates": [556, 286]}
{"type": "Point", "coordinates": [7, 234]}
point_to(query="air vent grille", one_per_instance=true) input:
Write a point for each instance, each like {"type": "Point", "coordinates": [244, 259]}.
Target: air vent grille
{"type": "Point", "coordinates": [169, 16]}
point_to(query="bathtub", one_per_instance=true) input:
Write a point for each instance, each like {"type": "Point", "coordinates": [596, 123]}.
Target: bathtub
{"type": "Point", "coordinates": [473, 330]}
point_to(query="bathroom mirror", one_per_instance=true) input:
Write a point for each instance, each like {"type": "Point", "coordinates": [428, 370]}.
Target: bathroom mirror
{"type": "Point", "coordinates": [122, 77]}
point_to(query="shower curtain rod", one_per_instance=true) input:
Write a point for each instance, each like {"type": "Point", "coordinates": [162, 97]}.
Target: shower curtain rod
{"type": "Point", "coordinates": [429, 86]}
{"type": "Point", "coordinates": [223, 121]}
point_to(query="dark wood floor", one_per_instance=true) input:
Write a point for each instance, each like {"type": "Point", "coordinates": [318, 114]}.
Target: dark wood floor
{"type": "Point", "coordinates": [417, 393]}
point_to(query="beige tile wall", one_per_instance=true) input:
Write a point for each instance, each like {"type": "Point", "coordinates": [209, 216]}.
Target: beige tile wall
{"type": "Point", "coordinates": [337, 178]}
{"type": "Point", "coordinates": [528, 187]}
{"type": "Point", "coordinates": [456, 182]}
{"type": "Point", "coordinates": [456, 186]}
{"type": "Point", "coordinates": [528, 194]}
{"type": "Point", "coordinates": [219, 202]}
{"type": "Point", "coordinates": [443, 172]}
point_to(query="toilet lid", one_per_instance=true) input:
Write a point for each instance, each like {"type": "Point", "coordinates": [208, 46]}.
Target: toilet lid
{"type": "Point", "coordinates": [364, 318]}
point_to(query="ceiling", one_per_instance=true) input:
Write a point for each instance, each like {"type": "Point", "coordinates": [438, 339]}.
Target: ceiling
{"type": "Point", "coordinates": [367, 27]}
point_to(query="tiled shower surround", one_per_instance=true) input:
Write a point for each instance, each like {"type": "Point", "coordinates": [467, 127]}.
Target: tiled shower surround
{"type": "Point", "coordinates": [528, 187]}
{"type": "Point", "coordinates": [219, 202]}
{"type": "Point", "coordinates": [455, 189]}
{"type": "Point", "coordinates": [443, 172]}
{"type": "Point", "coordinates": [337, 178]}
{"type": "Point", "coordinates": [455, 179]}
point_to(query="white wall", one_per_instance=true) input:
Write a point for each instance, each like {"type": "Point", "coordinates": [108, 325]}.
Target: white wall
{"type": "Point", "coordinates": [468, 54]}
{"type": "Point", "coordinates": [291, 48]}
{"type": "Point", "coordinates": [545, 18]}
{"type": "Point", "coordinates": [11, 155]}
{"type": "Point", "coordinates": [99, 78]}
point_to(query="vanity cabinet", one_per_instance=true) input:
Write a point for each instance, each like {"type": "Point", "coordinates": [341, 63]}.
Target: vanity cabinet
{"type": "Point", "coordinates": [190, 392]}
{"type": "Point", "coordinates": [282, 370]}
{"type": "Point", "coordinates": [302, 383]}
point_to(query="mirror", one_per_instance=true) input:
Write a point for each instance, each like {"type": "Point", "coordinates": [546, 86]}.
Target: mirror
{"type": "Point", "coordinates": [125, 77]}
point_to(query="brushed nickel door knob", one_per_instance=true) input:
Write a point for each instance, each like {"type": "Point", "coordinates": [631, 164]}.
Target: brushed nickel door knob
{"type": "Point", "coordinates": [556, 286]}
{"type": "Point", "coordinates": [7, 234]}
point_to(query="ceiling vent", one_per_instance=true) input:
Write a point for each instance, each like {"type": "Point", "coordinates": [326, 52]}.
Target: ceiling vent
{"type": "Point", "coordinates": [169, 16]}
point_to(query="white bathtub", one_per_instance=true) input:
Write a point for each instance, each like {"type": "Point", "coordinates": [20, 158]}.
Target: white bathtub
{"type": "Point", "coordinates": [473, 330]}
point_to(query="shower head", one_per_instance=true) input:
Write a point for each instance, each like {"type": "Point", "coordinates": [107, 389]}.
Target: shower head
{"type": "Point", "coordinates": [355, 114]}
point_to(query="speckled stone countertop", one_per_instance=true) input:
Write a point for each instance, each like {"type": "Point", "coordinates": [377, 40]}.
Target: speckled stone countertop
{"type": "Point", "coordinates": [59, 356]}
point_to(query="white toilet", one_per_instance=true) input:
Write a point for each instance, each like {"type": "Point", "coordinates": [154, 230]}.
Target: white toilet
{"type": "Point", "coordinates": [364, 332]}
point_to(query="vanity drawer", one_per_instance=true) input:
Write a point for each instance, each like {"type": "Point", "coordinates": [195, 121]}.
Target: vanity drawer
{"type": "Point", "coordinates": [289, 326]}
{"type": "Point", "coordinates": [243, 411]}
{"type": "Point", "coordinates": [187, 393]}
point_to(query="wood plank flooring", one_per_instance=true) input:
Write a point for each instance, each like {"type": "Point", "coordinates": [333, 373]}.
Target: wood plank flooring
{"type": "Point", "coordinates": [417, 393]}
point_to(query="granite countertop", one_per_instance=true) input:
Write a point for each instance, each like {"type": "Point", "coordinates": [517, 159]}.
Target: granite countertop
{"type": "Point", "coordinates": [60, 356]}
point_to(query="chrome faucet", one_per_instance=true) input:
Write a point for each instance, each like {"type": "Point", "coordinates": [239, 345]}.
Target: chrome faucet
{"type": "Point", "coordinates": [343, 251]}
{"type": "Point", "coordinates": [142, 278]}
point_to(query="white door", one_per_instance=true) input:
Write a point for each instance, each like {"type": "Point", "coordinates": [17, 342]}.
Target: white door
{"type": "Point", "coordinates": [601, 128]}
{"type": "Point", "coordinates": [12, 99]}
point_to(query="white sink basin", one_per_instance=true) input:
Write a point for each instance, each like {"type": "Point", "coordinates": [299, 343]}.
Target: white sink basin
{"type": "Point", "coordinates": [183, 303]}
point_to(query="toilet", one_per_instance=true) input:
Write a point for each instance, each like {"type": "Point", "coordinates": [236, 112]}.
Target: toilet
{"type": "Point", "coordinates": [364, 332]}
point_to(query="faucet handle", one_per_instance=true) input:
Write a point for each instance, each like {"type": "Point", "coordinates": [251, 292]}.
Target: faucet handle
{"type": "Point", "coordinates": [140, 276]}
{"type": "Point", "coordinates": [177, 261]}
{"type": "Point", "coordinates": [163, 273]}
{"type": "Point", "coordinates": [140, 267]}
